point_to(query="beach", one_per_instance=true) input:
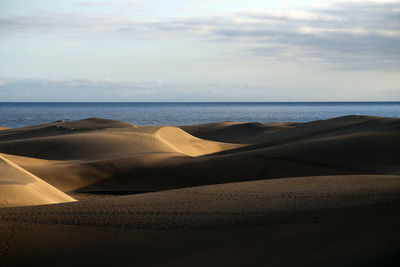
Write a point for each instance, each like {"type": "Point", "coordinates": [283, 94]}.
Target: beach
{"type": "Point", "coordinates": [102, 192]}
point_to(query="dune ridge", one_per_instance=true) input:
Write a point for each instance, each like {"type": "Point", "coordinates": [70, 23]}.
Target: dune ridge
{"type": "Point", "coordinates": [189, 145]}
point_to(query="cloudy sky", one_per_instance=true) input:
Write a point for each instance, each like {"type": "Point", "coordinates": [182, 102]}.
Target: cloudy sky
{"type": "Point", "coordinates": [199, 50]}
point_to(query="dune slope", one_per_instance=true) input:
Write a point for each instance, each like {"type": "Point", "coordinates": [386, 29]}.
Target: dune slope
{"type": "Point", "coordinates": [21, 188]}
{"type": "Point", "coordinates": [189, 145]}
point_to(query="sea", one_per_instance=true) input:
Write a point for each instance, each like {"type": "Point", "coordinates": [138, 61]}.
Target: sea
{"type": "Point", "coordinates": [25, 114]}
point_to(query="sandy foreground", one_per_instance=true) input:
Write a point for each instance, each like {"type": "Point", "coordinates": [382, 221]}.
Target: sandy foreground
{"type": "Point", "coordinates": [98, 193]}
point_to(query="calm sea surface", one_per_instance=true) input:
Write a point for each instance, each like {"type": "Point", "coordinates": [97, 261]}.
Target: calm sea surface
{"type": "Point", "coordinates": [24, 114]}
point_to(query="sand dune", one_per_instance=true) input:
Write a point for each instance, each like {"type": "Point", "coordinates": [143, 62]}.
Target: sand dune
{"type": "Point", "coordinates": [95, 139]}
{"type": "Point", "coordinates": [21, 188]}
{"type": "Point", "coordinates": [236, 132]}
{"type": "Point", "coordinates": [75, 155]}
{"type": "Point", "coordinates": [324, 192]}
{"type": "Point", "coordinates": [156, 158]}
{"type": "Point", "coordinates": [189, 145]}
{"type": "Point", "coordinates": [318, 220]}
{"type": "Point", "coordinates": [222, 204]}
{"type": "Point", "coordinates": [275, 133]}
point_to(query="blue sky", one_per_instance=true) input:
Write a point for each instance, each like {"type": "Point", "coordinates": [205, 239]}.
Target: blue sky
{"type": "Point", "coordinates": [193, 50]}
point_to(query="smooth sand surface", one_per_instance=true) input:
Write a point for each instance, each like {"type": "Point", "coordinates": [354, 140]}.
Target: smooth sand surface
{"type": "Point", "coordinates": [322, 193]}
{"type": "Point", "coordinates": [21, 188]}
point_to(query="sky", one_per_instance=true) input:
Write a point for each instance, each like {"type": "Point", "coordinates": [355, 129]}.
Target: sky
{"type": "Point", "coordinates": [199, 50]}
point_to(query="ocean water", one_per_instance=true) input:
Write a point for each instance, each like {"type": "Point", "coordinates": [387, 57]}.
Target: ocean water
{"type": "Point", "coordinates": [25, 114]}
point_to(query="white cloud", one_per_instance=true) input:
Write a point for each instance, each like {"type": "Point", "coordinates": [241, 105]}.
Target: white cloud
{"type": "Point", "coordinates": [114, 3]}
{"type": "Point", "coordinates": [350, 34]}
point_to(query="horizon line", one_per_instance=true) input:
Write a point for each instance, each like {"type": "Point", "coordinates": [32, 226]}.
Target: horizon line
{"type": "Point", "coordinates": [205, 102]}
